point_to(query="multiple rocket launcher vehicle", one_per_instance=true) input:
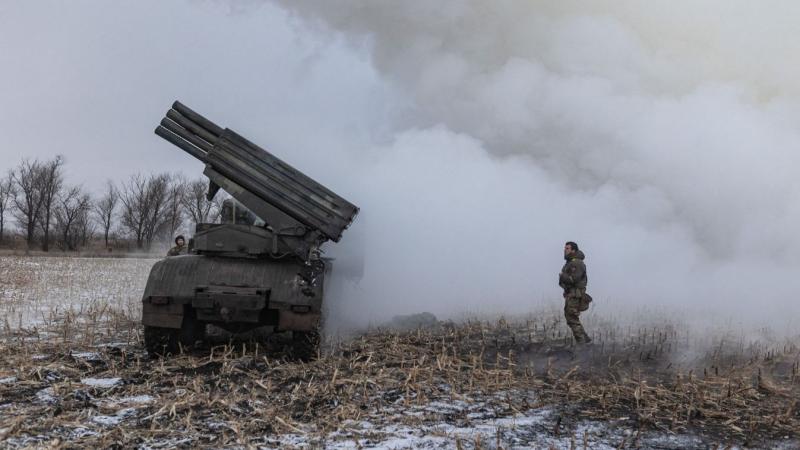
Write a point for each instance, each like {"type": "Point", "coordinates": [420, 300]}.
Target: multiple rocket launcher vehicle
{"type": "Point", "coordinates": [241, 273]}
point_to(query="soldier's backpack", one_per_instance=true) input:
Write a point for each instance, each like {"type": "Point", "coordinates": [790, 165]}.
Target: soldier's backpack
{"type": "Point", "coordinates": [586, 299]}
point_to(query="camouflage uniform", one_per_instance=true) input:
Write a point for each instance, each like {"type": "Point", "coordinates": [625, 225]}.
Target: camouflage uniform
{"type": "Point", "coordinates": [573, 280]}
{"type": "Point", "coordinates": [175, 251]}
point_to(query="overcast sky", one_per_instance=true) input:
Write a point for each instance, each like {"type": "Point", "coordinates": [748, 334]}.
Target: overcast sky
{"type": "Point", "coordinates": [476, 136]}
{"type": "Point", "coordinates": [91, 80]}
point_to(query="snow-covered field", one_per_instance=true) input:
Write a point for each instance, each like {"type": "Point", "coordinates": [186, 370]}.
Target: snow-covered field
{"type": "Point", "coordinates": [73, 372]}
{"type": "Point", "coordinates": [36, 289]}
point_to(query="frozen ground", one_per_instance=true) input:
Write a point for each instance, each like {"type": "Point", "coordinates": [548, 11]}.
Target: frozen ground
{"type": "Point", "coordinates": [34, 290]}
{"type": "Point", "coordinates": [73, 372]}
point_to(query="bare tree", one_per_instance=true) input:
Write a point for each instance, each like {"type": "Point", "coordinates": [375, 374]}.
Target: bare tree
{"type": "Point", "coordinates": [176, 191]}
{"type": "Point", "coordinates": [84, 228]}
{"type": "Point", "coordinates": [105, 208]}
{"type": "Point", "coordinates": [196, 205]}
{"type": "Point", "coordinates": [71, 217]}
{"type": "Point", "coordinates": [158, 196]}
{"type": "Point", "coordinates": [143, 203]}
{"type": "Point", "coordinates": [51, 180]}
{"type": "Point", "coordinates": [7, 194]}
{"type": "Point", "coordinates": [28, 199]}
{"type": "Point", "coordinates": [135, 207]}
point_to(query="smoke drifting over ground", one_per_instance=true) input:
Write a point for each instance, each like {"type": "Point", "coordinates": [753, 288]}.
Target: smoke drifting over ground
{"type": "Point", "coordinates": [661, 137]}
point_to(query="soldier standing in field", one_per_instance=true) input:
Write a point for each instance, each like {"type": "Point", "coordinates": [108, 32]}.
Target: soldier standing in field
{"type": "Point", "coordinates": [180, 247]}
{"type": "Point", "coordinates": [573, 280]}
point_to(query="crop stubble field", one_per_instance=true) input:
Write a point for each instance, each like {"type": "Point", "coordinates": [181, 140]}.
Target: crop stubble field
{"type": "Point", "coordinates": [73, 373]}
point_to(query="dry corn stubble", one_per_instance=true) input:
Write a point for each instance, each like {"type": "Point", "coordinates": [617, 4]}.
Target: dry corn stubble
{"type": "Point", "coordinates": [79, 375]}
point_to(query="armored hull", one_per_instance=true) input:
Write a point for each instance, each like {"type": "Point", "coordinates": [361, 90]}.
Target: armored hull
{"type": "Point", "coordinates": [261, 264]}
{"type": "Point", "coordinates": [184, 293]}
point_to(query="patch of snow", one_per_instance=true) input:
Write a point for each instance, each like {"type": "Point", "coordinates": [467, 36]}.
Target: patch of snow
{"type": "Point", "coordinates": [166, 443]}
{"type": "Point", "coordinates": [107, 420]}
{"type": "Point", "coordinates": [46, 395]}
{"type": "Point", "coordinates": [404, 443]}
{"type": "Point", "coordinates": [39, 357]}
{"type": "Point", "coordinates": [295, 440]}
{"type": "Point", "coordinates": [113, 345]}
{"type": "Point", "coordinates": [137, 399]}
{"type": "Point", "coordinates": [457, 405]}
{"type": "Point", "coordinates": [89, 356]}
{"type": "Point", "coordinates": [134, 400]}
{"type": "Point", "coordinates": [24, 441]}
{"type": "Point", "coordinates": [531, 429]}
{"type": "Point", "coordinates": [52, 375]}
{"type": "Point", "coordinates": [366, 425]}
{"type": "Point", "coordinates": [101, 382]}
{"type": "Point", "coordinates": [81, 432]}
{"type": "Point", "coordinates": [215, 425]}
{"type": "Point", "coordinates": [121, 415]}
{"type": "Point", "coordinates": [8, 380]}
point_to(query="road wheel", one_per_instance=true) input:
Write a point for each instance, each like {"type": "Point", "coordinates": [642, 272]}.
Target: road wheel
{"type": "Point", "coordinates": [164, 341]}
{"type": "Point", "coordinates": [161, 341]}
{"type": "Point", "coordinates": [192, 330]}
{"type": "Point", "coordinates": [305, 344]}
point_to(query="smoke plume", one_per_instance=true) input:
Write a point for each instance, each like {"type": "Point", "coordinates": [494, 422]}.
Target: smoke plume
{"type": "Point", "coordinates": [662, 137]}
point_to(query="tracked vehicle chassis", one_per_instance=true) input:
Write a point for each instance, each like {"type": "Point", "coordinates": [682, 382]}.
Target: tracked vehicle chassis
{"type": "Point", "coordinates": [186, 293]}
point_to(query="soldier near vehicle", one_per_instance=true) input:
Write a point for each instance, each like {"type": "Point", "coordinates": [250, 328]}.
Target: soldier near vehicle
{"type": "Point", "coordinates": [180, 247]}
{"type": "Point", "coordinates": [573, 280]}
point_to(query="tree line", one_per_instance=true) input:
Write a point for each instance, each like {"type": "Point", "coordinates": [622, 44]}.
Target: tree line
{"type": "Point", "coordinates": [142, 210]}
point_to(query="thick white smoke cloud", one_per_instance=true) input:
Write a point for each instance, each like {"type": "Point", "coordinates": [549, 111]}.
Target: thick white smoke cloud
{"type": "Point", "coordinates": [661, 136]}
